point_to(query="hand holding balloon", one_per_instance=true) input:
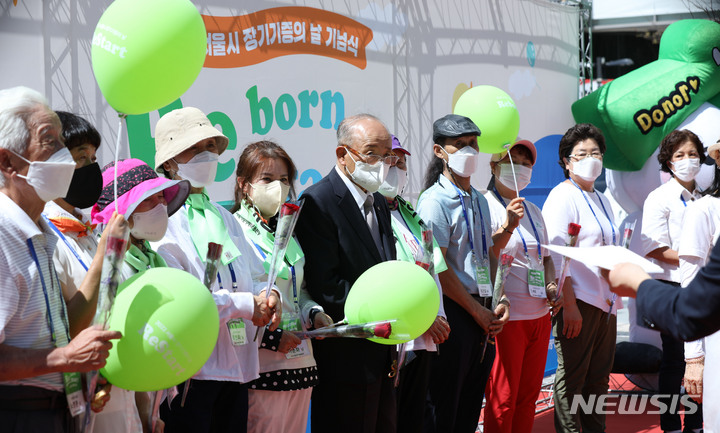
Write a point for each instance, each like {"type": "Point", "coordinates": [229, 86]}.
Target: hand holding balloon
{"type": "Point", "coordinates": [515, 212]}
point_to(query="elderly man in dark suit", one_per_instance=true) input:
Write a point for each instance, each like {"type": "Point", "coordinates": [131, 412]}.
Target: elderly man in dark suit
{"type": "Point", "coordinates": [344, 229]}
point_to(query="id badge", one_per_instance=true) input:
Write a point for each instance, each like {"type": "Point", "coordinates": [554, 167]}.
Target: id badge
{"type": "Point", "coordinates": [482, 276]}
{"type": "Point", "coordinates": [74, 394]}
{"type": "Point", "coordinates": [236, 328]}
{"type": "Point", "coordinates": [291, 322]}
{"type": "Point", "coordinates": [536, 283]}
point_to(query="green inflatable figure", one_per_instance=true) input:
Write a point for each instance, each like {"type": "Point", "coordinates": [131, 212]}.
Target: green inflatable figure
{"type": "Point", "coordinates": [637, 110]}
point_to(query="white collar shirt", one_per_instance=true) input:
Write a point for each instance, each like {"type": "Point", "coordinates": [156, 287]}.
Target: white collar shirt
{"type": "Point", "coordinates": [73, 254]}
{"type": "Point", "coordinates": [566, 204]}
{"type": "Point", "coordinates": [358, 194]}
{"type": "Point", "coordinates": [524, 306]}
{"type": "Point", "coordinates": [227, 362]}
{"type": "Point", "coordinates": [24, 318]}
{"type": "Point", "coordinates": [662, 223]}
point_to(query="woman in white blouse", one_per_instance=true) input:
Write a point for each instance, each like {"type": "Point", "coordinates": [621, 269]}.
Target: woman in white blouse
{"type": "Point", "coordinates": [522, 347]}
{"type": "Point", "coordinates": [187, 148]}
{"type": "Point", "coordinates": [585, 329]}
{"type": "Point", "coordinates": [681, 154]}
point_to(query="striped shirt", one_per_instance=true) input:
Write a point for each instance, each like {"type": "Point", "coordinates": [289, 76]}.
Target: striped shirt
{"type": "Point", "coordinates": [24, 318]}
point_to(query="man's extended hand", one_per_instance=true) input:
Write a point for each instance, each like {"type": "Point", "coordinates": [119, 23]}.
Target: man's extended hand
{"type": "Point", "coordinates": [88, 350]}
{"type": "Point", "coordinates": [625, 278]}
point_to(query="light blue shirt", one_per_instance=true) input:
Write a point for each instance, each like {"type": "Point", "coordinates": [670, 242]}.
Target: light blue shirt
{"type": "Point", "coordinates": [440, 207]}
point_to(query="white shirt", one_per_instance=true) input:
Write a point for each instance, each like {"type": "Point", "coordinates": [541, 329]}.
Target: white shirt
{"type": "Point", "coordinates": [423, 342]}
{"type": "Point", "coordinates": [70, 251]}
{"type": "Point", "coordinates": [701, 226]}
{"type": "Point", "coordinates": [358, 194]}
{"type": "Point", "coordinates": [227, 362]}
{"type": "Point", "coordinates": [270, 360]}
{"type": "Point", "coordinates": [565, 204]}
{"type": "Point", "coordinates": [524, 306]}
{"type": "Point", "coordinates": [662, 223]}
{"type": "Point", "coordinates": [23, 309]}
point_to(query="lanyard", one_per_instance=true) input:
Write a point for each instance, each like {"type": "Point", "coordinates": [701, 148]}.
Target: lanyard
{"type": "Point", "coordinates": [467, 221]}
{"type": "Point", "coordinates": [683, 200]}
{"type": "Point", "coordinates": [47, 299]}
{"type": "Point", "coordinates": [232, 275]}
{"type": "Point", "coordinates": [602, 232]}
{"type": "Point", "coordinates": [296, 300]}
{"type": "Point", "coordinates": [537, 237]}
{"type": "Point", "coordinates": [62, 236]}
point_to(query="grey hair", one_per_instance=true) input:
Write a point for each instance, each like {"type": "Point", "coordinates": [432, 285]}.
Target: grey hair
{"type": "Point", "coordinates": [347, 127]}
{"type": "Point", "coordinates": [17, 104]}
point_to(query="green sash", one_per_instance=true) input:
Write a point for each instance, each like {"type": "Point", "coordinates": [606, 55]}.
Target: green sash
{"type": "Point", "coordinates": [264, 239]}
{"type": "Point", "coordinates": [416, 225]}
{"type": "Point", "coordinates": [207, 225]}
{"type": "Point", "coordinates": [142, 260]}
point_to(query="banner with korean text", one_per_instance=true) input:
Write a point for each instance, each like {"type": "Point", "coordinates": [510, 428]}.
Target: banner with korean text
{"type": "Point", "coordinates": [291, 73]}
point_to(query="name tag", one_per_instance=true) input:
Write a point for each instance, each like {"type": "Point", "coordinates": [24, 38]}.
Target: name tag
{"type": "Point", "coordinates": [536, 283]}
{"type": "Point", "coordinates": [482, 276]}
{"type": "Point", "coordinates": [73, 393]}
{"type": "Point", "coordinates": [292, 322]}
{"type": "Point", "coordinates": [236, 328]}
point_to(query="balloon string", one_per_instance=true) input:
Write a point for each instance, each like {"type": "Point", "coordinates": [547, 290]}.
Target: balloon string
{"type": "Point", "coordinates": [117, 155]}
{"type": "Point", "coordinates": [512, 168]}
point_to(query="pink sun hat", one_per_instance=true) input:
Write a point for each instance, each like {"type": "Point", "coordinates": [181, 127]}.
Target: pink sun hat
{"type": "Point", "coordinates": [136, 182]}
{"type": "Point", "coordinates": [522, 143]}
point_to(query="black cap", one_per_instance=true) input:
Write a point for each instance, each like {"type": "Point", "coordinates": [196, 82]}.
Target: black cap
{"type": "Point", "coordinates": [454, 125]}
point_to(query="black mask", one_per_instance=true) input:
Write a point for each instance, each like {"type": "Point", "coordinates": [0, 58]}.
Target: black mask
{"type": "Point", "coordinates": [86, 186]}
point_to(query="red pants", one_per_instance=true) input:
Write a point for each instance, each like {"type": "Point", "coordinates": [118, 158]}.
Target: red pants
{"type": "Point", "coordinates": [516, 376]}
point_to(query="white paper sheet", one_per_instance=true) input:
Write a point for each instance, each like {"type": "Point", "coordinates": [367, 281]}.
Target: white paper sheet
{"type": "Point", "coordinates": [605, 257]}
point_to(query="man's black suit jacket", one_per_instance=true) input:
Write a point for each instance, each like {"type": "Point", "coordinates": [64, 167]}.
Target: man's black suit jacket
{"type": "Point", "coordinates": [338, 248]}
{"type": "Point", "coordinates": [688, 313]}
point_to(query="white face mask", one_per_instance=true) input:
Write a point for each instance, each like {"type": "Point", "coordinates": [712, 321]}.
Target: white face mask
{"type": "Point", "coordinates": [522, 174]}
{"type": "Point", "coordinates": [587, 169]}
{"type": "Point", "coordinates": [268, 197]}
{"type": "Point", "coordinates": [464, 161]}
{"type": "Point", "coordinates": [200, 170]}
{"type": "Point", "coordinates": [368, 176]}
{"type": "Point", "coordinates": [686, 169]}
{"type": "Point", "coordinates": [150, 225]}
{"type": "Point", "coordinates": [394, 182]}
{"type": "Point", "coordinates": [50, 179]}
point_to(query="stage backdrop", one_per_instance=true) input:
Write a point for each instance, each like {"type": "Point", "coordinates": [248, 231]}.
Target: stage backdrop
{"type": "Point", "coordinates": [291, 71]}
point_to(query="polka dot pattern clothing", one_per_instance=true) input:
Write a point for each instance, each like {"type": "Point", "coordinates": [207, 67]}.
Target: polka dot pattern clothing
{"type": "Point", "coordinates": [286, 380]}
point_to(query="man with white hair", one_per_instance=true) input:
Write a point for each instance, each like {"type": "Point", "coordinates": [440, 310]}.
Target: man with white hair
{"type": "Point", "coordinates": [38, 372]}
{"type": "Point", "coordinates": [344, 229]}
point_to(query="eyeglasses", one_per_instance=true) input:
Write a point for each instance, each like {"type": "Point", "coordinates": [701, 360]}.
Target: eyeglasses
{"type": "Point", "coordinates": [373, 159]}
{"type": "Point", "coordinates": [583, 155]}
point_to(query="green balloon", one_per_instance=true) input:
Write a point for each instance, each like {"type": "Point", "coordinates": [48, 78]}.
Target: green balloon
{"type": "Point", "coordinates": [495, 113]}
{"type": "Point", "coordinates": [170, 325]}
{"type": "Point", "coordinates": [147, 53]}
{"type": "Point", "coordinates": [395, 290]}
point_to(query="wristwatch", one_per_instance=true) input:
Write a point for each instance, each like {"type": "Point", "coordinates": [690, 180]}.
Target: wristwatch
{"type": "Point", "coordinates": [313, 312]}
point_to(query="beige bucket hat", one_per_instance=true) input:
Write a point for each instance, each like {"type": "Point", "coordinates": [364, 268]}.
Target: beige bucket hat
{"type": "Point", "coordinates": [714, 151]}
{"type": "Point", "coordinates": [181, 129]}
